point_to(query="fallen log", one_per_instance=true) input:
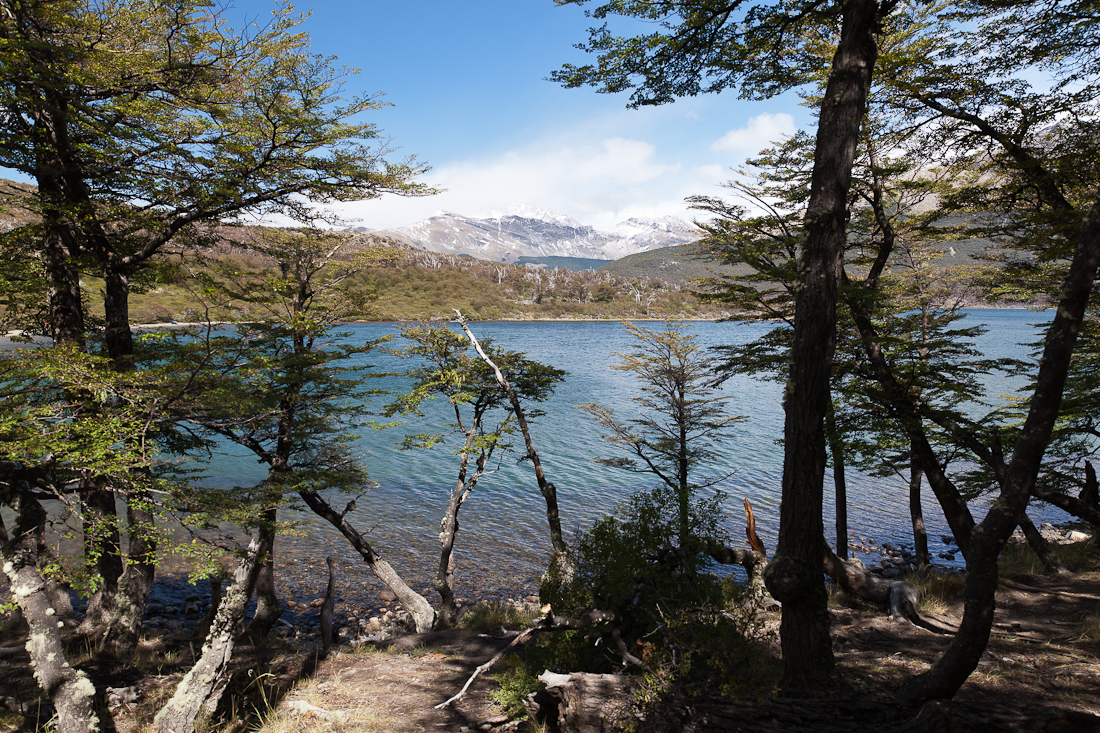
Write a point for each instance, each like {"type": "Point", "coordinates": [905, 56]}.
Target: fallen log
{"type": "Point", "coordinates": [897, 595]}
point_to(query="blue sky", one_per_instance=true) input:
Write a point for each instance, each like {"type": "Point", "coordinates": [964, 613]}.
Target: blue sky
{"type": "Point", "coordinates": [467, 81]}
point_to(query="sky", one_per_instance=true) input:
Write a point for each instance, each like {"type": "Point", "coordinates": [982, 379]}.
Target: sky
{"type": "Point", "coordinates": [468, 86]}
{"type": "Point", "coordinates": [466, 91]}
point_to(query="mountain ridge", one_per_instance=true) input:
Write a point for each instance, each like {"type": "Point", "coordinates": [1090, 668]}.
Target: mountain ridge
{"type": "Point", "coordinates": [538, 233]}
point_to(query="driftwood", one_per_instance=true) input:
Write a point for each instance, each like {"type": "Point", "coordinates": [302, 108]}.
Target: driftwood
{"type": "Point", "coordinates": [418, 607]}
{"type": "Point", "coordinates": [549, 622]}
{"type": "Point", "coordinates": [750, 530]}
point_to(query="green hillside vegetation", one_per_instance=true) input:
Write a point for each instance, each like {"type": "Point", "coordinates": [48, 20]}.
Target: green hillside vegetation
{"type": "Point", "coordinates": [569, 263]}
{"type": "Point", "coordinates": [680, 264]}
{"type": "Point", "coordinates": [689, 262]}
{"type": "Point", "coordinates": [429, 286]}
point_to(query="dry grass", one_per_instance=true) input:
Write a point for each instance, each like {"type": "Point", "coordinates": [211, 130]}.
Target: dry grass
{"type": "Point", "coordinates": [939, 591]}
{"type": "Point", "coordinates": [496, 614]}
{"type": "Point", "coordinates": [321, 705]}
{"type": "Point", "coordinates": [1083, 558]}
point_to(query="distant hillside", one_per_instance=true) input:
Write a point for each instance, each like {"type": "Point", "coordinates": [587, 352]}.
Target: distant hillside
{"type": "Point", "coordinates": [576, 264]}
{"type": "Point", "coordinates": [672, 264]}
{"type": "Point", "coordinates": [687, 262]}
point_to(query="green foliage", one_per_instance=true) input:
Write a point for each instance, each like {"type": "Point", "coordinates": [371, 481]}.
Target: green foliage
{"type": "Point", "coordinates": [518, 680]}
{"type": "Point", "coordinates": [694, 633]}
{"type": "Point", "coordinates": [681, 420]}
{"type": "Point", "coordinates": [691, 47]}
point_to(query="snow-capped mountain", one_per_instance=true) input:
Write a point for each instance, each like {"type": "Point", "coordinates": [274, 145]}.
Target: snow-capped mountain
{"type": "Point", "coordinates": [539, 233]}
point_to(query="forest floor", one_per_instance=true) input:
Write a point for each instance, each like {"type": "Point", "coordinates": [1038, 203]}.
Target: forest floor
{"type": "Point", "coordinates": [1040, 672]}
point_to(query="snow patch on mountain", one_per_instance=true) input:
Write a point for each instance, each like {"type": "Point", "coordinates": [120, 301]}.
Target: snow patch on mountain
{"type": "Point", "coordinates": [530, 231]}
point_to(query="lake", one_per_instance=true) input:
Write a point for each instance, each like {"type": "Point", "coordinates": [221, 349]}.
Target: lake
{"type": "Point", "coordinates": [503, 541]}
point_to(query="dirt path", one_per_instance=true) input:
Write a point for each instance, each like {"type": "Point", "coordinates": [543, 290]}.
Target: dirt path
{"type": "Point", "coordinates": [1041, 672]}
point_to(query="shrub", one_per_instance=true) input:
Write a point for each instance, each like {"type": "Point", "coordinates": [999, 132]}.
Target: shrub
{"type": "Point", "coordinates": [694, 633]}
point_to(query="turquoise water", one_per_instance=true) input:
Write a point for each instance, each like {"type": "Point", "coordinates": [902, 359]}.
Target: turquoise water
{"type": "Point", "coordinates": [503, 538]}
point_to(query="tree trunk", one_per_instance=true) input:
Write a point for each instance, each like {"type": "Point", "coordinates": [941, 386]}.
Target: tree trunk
{"type": "Point", "coordinates": [328, 638]}
{"type": "Point", "coordinates": [444, 579]}
{"type": "Point", "coordinates": [418, 607]}
{"type": "Point", "coordinates": [561, 568]}
{"type": "Point", "coordinates": [63, 292]}
{"type": "Point", "coordinates": [584, 703]}
{"type": "Point", "coordinates": [916, 511]}
{"type": "Point", "coordinates": [70, 691]}
{"type": "Point", "coordinates": [128, 607]}
{"type": "Point", "coordinates": [102, 544]}
{"type": "Point", "coordinates": [1051, 564]}
{"type": "Point", "coordinates": [794, 575]}
{"type": "Point", "coordinates": [951, 670]}
{"type": "Point", "coordinates": [268, 608]}
{"type": "Point", "coordinates": [202, 686]}
{"type": "Point", "coordinates": [202, 628]}
{"type": "Point", "coordinates": [118, 337]}
{"type": "Point", "coordinates": [840, 483]}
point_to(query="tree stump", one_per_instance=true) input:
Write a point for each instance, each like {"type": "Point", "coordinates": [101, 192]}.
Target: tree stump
{"type": "Point", "coordinates": [583, 703]}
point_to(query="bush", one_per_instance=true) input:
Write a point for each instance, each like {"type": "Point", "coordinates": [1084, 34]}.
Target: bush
{"type": "Point", "coordinates": [516, 682]}
{"type": "Point", "coordinates": [694, 633]}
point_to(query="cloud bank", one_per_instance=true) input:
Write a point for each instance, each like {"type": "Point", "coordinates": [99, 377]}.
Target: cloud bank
{"type": "Point", "coordinates": [596, 179]}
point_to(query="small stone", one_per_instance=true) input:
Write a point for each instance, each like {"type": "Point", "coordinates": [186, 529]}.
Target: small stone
{"type": "Point", "coordinates": [317, 603]}
{"type": "Point", "coordinates": [171, 610]}
{"type": "Point", "coordinates": [387, 595]}
{"type": "Point", "coordinates": [192, 597]}
{"type": "Point", "coordinates": [291, 604]}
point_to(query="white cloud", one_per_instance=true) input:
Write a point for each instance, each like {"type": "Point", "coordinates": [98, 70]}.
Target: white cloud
{"type": "Point", "coordinates": [758, 133]}
{"type": "Point", "coordinates": [599, 184]}
{"type": "Point", "coordinates": [599, 171]}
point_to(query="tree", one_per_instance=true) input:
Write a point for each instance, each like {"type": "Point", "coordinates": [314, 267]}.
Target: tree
{"type": "Point", "coordinates": [561, 567]}
{"type": "Point", "coordinates": [1035, 187]}
{"type": "Point", "coordinates": [447, 370]}
{"type": "Point", "coordinates": [682, 421]}
{"type": "Point", "coordinates": [714, 45]}
{"type": "Point", "coordinates": [201, 123]}
{"type": "Point", "coordinates": [285, 391]}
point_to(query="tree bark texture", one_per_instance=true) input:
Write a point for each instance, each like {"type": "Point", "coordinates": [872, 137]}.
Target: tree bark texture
{"type": "Point", "coordinates": [988, 538]}
{"type": "Point", "coordinates": [268, 608]}
{"type": "Point", "coordinates": [794, 575]}
{"type": "Point", "coordinates": [916, 512]}
{"type": "Point", "coordinates": [840, 484]}
{"type": "Point", "coordinates": [1042, 549]}
{"type": "Point", "coordinates": [418, 607]}
{"type": "Point", "coordinates": [70, 691]}
{"type": "Point", "coordinates": [202, 686]}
